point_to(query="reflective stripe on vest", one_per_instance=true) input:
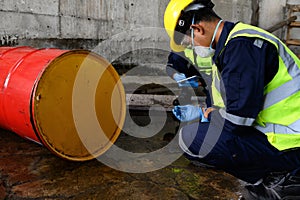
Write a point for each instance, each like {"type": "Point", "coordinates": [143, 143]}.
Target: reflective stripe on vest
{"type": "Point", "coordinates": [286, 89]}
{"type": "Point", "coordinates": [282, 97]}
{"type": "Point", "coordinates": [216, 88]}
{"type": "Point", "coordinates": [282, 137]}
{"type": "Point", "coordinates": [204, 65]}
{"type": "Point", "coordinates": [243, 121]}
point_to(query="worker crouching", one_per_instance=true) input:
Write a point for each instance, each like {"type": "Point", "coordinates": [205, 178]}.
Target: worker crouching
{"type": "Point", "coordinates": [252, 129]}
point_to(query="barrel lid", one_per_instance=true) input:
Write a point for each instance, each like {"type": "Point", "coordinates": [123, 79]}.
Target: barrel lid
{"type": "Point", "coordinates": [78, 105]}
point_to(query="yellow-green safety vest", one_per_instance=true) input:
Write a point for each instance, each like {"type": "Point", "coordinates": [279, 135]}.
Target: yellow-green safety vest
{"type": "Point", "coordinates": [280, 117]}
{"type": "Point", "coordinates": [204, 64]}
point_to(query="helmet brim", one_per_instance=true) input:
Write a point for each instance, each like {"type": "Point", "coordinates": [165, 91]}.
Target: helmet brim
{"type": "Point", "coordinates": [175, 47]}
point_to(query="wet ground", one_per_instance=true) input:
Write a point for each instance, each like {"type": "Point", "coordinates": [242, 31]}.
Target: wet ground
{"type": "Point", "coordinates": [30, 171]}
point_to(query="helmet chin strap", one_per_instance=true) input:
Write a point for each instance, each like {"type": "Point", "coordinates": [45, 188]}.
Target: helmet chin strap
{"type": "Point", "coordinates": [192, 32]}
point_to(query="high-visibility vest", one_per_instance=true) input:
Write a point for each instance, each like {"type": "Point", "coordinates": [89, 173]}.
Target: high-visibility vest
{"type": "Point", "coordinates": [204, 65]}
{"type": "Point", "coordinates": [280, 117]}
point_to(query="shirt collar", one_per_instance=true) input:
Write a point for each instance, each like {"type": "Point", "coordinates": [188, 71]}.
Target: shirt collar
{"type": "Point", "coordinates": [228, 26]}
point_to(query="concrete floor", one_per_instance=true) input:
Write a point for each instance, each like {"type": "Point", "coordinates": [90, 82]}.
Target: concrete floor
{"type": "Point", "coordinates": [29, 171]}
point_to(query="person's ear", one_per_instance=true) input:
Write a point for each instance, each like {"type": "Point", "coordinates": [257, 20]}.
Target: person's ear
{"type": "Point", "coordinates": [198, 28]}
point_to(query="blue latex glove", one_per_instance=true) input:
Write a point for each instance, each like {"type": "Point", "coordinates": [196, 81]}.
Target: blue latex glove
{"type": "Point", "coordinates": [178, 77]}
{"type": "Point", "coordinates": [188, 113]}
{"type": "Point", "coordinates": [190, 83]}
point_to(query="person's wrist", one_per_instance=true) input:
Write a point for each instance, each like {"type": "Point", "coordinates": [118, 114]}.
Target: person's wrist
{"type": "Point", "coordinates": [208, 111]}
{"type": "Point", "coordinates": [202, 117]}
{"type": "Point", "coordinates": [173, 76]}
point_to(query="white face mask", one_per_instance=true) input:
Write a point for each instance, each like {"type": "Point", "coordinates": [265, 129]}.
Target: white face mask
{"type": "Point", "coordinates": [205, 52]}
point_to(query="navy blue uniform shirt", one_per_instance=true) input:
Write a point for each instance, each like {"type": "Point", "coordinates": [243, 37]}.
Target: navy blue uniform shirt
{"type": "Point", "coordinates": [245, 69]}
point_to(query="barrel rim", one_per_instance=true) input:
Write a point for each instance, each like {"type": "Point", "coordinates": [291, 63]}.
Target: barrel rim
{"type": "Point", "coordinates": [120, 123]}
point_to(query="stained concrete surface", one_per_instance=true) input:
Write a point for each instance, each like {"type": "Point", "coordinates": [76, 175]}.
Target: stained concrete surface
{"type": "Point", "coordinates": [30, 171]}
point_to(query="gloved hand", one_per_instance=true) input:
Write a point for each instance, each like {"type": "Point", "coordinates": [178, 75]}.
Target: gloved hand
{"type": "Point", "coordinates": [188, 113]}
{"type": "Point", "coordinates": [193, 83]}
{"type": "Point", "coordinates": [178, 77]}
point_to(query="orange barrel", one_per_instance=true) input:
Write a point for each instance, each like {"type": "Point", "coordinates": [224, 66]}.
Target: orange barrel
{"type": "Point", "coordinates": [37, 99]}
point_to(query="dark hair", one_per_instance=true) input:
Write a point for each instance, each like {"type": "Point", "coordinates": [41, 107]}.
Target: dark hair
{"type": "Point", "coordinates": [205, 14]}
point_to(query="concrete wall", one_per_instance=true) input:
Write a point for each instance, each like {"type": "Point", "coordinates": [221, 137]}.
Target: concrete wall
{"type": "Point", "coordinates": [94, 19]}
{"type": "Point", "coordinates": [271, 12]}
{"type": "Point", "coordinates": [234, 10]}
{"type": "Point", "coordinates": [82, 24]}
{"type": "Point", "coordinates": [124, 26]}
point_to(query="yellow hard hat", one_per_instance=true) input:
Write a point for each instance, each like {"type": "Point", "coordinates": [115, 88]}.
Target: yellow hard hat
{"type": "Point", "coordinates": [178, 18]}
{"type": "Point", "coordinates": [171, 16]}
